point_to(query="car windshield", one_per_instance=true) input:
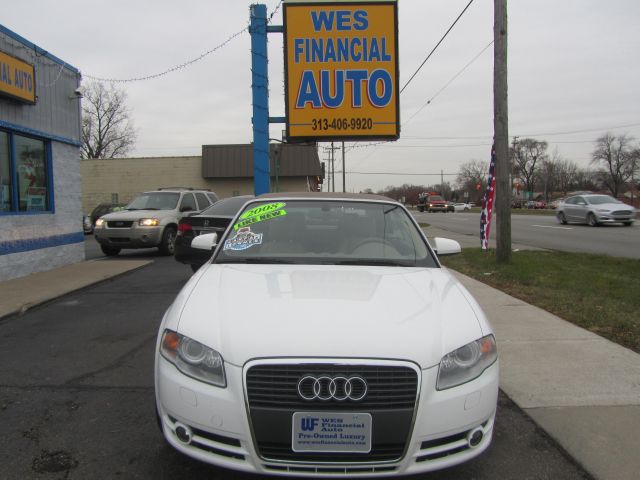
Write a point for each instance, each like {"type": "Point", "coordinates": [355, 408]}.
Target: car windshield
{"type": "Point", "coordinates": [601, 199]}
{"type": "Point", "coordinates": [155, 201]}
{"type": "Point", "coordinates": [325, 232]}
{"type": "Point", "coordinates": [435, 198]}
{"type": "Point", "coordinates": [227, 207]}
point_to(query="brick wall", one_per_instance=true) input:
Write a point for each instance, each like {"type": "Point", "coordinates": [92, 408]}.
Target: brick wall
{"type": "Point", "coordinates": [130, 176]}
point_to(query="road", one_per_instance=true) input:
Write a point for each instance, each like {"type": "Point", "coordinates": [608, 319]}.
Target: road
{"type": "Point", "coordinates": [77, 402]}
{"type": "Point", "coordinates": [544, 231]}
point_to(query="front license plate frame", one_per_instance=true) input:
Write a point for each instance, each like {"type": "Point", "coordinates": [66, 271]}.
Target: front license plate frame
{"type": "Point", "coordinates": [331, 432]}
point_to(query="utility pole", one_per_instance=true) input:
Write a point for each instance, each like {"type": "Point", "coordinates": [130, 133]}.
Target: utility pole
{"type": "Point", "coordinates": [501, 133]}
{"type": "Point", "coordinates": [344, 172]}
{"type": "Point", "coordinates": [333, 169]}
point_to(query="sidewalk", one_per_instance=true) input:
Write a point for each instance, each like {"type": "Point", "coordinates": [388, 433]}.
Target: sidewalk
{"type": "Point", "coordinates": [20, 294]}
{"type": "Point", "coordinates": [582, 389]}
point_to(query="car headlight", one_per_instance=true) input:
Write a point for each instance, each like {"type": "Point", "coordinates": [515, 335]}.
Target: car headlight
{"type": "Point", "coordinates": [148, 222]}
{"type": "Point", "coordinates": [100, 223]}
{"type": "Point", "coordinates": [193, 358]}
{"type": "Point", "coordinates": [467, 363]}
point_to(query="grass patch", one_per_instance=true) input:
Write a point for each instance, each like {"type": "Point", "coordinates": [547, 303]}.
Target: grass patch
{"type": "Point", "coordinates": [596, 292]}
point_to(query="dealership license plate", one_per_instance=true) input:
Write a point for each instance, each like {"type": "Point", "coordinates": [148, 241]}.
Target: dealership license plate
{"type": "Point", "coordinates": [331, 432]}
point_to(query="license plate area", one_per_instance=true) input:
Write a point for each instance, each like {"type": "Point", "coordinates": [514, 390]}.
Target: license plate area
{"type": "Point", "coordinates": [331, 432]}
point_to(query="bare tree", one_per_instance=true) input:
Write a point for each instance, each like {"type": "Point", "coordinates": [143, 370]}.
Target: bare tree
{"type": "Point", "coordinates": [526, 154]}
{"type": "Point", "coordinates": [614, 155]}
{"type": "Point", "coordinates": [107, 130]}
{"type": "Point", "coordinates": [565, 173]}
{"type": "Point", "coordinates": [472, 174]}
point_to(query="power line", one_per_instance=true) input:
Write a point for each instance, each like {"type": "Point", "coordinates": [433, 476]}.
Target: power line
{"type": "Point", "coordinates": [428, 102]}
{"type": "Point", "coordinates": [172, 69]}
{"type": "Point", "coordinates": [401, 173]}
{"type": "Point", "coordinates": [437, 45]}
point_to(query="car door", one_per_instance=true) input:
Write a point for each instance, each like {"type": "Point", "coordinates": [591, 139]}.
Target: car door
{"type": "Point", "coordinates": [579, 209]}
{"type": "Point", "coordinates": [188, 204]}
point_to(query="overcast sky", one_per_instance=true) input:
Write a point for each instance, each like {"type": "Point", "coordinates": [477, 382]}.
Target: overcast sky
{"type": "Point", "coordinates": [573, 67]}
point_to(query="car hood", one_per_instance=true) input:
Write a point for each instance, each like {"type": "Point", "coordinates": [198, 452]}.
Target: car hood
{"type": "Point", "coordinates": [612, 206]}
{"type": "Point", "coordinates": [136, 214]}
{"type": "Point", "coordinates": [257, 311]}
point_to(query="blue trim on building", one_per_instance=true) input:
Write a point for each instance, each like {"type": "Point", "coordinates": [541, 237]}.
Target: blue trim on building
{"type": "Point", "coordinates": [38, 133]}
{"type": "Point", "coordinates": [20, 246]}
{"type": "Point", "coordinates": [37, 50]}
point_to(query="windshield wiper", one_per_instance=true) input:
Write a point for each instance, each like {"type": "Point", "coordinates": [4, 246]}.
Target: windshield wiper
{"type": "Point", "coordinates": [257, 260]}
{"type": "Point", "coordinates": [377, 263]}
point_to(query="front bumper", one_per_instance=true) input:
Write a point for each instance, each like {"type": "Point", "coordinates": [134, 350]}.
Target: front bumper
{"type": "Point", "coordinates": [131, 237]}
{"type": "Point", "coordinates": [615, 217]}
{"type": "Point", "coordinates": [219, 422]}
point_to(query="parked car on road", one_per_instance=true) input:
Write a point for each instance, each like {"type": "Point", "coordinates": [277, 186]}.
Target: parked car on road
{"type": "Point", "coordinates": [150, 220]}
{"type": "Point", "coordinates": [103, 209]}
{"type": "Point", "coordinates": [324, 337]}
{"type": "Point", "coordinates": [594, 209]}
{"type": "Point", "coordinates": [216, 218]}
{"type": "Point", "coordinates": [461, 207]}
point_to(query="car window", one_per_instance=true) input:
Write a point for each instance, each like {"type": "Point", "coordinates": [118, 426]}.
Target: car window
{"type": "Point", "coordinates": [325, 232]}
{"type": "Point", "coordinates": [227, 206]}
{"type": "Point", "coordinates": [188, 203]}
{"type": "Point", "coordinates": [212, 196]}
{"type": "Point", "coordinates": [601, 199]}
{"type": "Point", "coordinates": [155, 201]}
{"type": "Point", "coordinates": [203, 201]}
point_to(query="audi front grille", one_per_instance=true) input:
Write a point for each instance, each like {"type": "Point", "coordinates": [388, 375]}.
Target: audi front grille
{"type": "Point", "coordinates": [273, 395]}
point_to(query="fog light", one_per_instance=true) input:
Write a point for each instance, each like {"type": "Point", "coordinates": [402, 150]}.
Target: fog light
{"type": "Point", "coordinates": [183, 433]}
{"type": "Point", "coordinates": [475, 437]}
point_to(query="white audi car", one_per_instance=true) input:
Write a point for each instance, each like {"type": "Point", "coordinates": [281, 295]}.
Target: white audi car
{"type": "Point", "coordinates": [324, 338]}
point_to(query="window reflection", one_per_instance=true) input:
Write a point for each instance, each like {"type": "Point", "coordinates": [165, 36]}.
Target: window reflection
{"type": "Point", "coordinates": [32, 174]}
{"type": "Point", "coordinates": [5, 173]}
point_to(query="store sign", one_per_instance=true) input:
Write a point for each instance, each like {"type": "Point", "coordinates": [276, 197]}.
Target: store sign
{"type": "Point", "coordinates": [17, 79]}
{"type": "Point", "coordinates": [341, 61]}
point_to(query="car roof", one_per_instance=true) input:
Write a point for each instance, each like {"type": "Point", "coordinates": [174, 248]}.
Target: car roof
{"type": "Point", "coordinates": [327, 196]}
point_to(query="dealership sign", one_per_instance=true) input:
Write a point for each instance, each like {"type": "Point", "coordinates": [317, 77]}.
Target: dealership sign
{"type": "Point", "coordinates": [341, 61]}
{"type": "Point", "coordinates": [17, 79]}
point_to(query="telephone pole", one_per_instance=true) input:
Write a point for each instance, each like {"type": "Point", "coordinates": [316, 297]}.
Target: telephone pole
{"type": "Point", "coordinates": [501, 133]}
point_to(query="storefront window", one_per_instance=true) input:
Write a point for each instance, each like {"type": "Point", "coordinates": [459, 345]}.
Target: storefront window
{"type": "Point", "coordinates": [24, 174]}
{"type": "Point", "coordinates": [5, 173]}
{"type": "Point", "coordinates": [32, 174]}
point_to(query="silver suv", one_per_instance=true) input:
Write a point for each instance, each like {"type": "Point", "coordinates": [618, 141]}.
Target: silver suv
{"type": "Point", "coordinates": [150, 220]}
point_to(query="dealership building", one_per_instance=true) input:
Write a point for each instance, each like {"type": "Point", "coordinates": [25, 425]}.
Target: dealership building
{"type": "Point", "coordinates": [40, 185]}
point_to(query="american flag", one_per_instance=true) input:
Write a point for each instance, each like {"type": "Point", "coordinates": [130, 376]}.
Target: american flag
{"type": "Point", "coordinates": [487, 202]}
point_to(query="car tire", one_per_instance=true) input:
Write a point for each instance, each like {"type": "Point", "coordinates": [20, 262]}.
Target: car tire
{"type": "Point", "coordinates": [591, 220]}
{"type": "Point", "coordinates": [168, 243]}
{"type": "Point", "coordinates": [421, 209]}
{"type": "Point", "coordinates": [110, 251]}
{"type": "Point", "coordinates": [562, 219]}
{"type": "Point", "coordinates": [627, 224]}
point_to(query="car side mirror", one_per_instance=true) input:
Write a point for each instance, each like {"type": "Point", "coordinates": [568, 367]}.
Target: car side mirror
{"type": "Point", "coordinates": [207, 241]}
{"type": "Point", "coordinates": [446, 246]}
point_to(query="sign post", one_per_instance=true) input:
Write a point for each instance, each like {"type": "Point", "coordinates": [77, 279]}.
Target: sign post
{"type": "Point", "coordinates": [341, 70]}
{"type": "Point", "coordinates": [260, 97]}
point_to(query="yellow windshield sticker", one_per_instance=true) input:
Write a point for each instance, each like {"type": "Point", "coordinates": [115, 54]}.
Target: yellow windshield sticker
{"type": "Point", "coordinates": [260, 214]}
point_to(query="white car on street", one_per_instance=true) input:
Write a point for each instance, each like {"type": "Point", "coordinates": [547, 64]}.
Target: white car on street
{"type": "Point", "coordinates": [324, 338]}
{"type": "Point", "coordinates": [461, 207]}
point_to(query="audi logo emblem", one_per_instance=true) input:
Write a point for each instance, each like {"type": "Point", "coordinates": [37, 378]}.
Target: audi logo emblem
{"type": "Point", "coordinates": [332, 388]}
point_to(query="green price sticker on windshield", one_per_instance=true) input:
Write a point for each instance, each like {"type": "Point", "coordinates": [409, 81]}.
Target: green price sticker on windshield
{"type": "Point", "coordinates": [269, 207]}
{"type": "Point", "coordinates": [260, 214]}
